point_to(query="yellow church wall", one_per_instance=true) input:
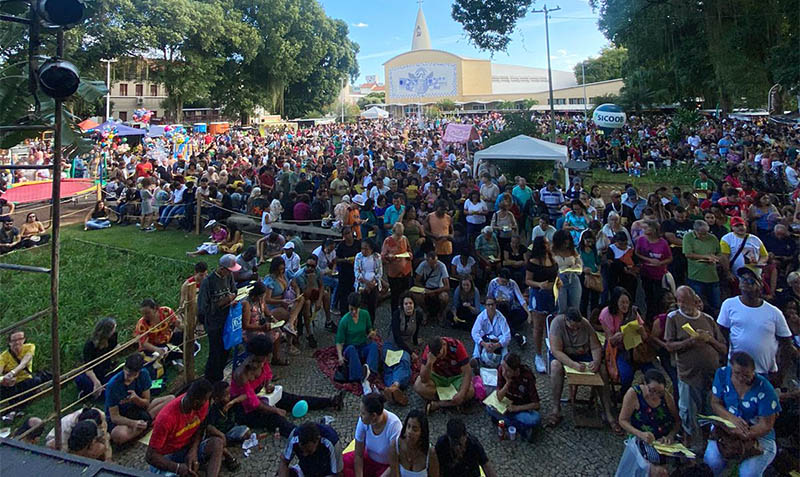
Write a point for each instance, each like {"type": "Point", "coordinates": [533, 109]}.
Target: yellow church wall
{"type": "Point", "coordinates": [476, 77]}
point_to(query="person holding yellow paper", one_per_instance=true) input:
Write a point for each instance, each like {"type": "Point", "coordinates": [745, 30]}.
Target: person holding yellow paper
{"type": "Point", "coordinates": [697, 358]}
{"type": "Point", "coordinates": [574, 343]}
{"type": "Point", "coordinates": [431, 274]}
{"type": "Point", "coordinates": [517, 383]}
{"type": "Point", "coordinates": [445, 362]}
{"type": "Point", "coordinates": [406, 321]}
{"type": "Point", "coordinates": [487, 251]}
{"type": "Point", "coordinates": [649, 415]}
{"type": "Point", "coordinates": [620, 311]}
{"type": "Point", "coordinates": [397, 256]}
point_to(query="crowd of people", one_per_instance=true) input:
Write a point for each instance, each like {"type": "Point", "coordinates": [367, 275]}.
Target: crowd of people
{"type": "Point", "coordinates": [697, 288]}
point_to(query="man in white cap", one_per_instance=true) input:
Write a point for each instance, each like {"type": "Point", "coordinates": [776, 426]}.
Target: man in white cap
{"type": "Point", "coordinates": [290, 259]}
{"type": "Point", "coordinates": [217, 294]}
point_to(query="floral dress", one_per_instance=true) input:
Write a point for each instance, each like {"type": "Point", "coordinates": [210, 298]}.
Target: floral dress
{"type": "Point", "coordinates": [658, 421]}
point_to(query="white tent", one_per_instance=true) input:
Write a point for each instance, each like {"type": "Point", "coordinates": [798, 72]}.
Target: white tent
{"type": "Point", "coordinates": [522, 148]}
{"type": "Point", "coordinates": [374, 113]}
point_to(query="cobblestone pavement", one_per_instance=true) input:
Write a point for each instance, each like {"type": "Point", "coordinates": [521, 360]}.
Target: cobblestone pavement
{"type": "Point", "coordinates": [565, 451]}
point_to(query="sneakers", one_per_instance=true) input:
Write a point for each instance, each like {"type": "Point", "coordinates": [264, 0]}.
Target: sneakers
{"type": "Point", "coordinates": [540, 364]}
{"type": "Point", "coordinates": [331, 326]}
{"type": "Point", "coordinates": [290, 329]}
{"type": "Point", "coordinates": [365, 385]}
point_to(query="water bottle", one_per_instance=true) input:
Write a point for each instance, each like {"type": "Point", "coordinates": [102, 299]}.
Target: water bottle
{"type": "Point", "coordinates": [276, 438]}
{"type": "Point", "coordinates": [501, 430]}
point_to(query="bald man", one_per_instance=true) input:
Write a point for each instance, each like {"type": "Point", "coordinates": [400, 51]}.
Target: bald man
{"type": "Point", "coordinates": [699, 347]}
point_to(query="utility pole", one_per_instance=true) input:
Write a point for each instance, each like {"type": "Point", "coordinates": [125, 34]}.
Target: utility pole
{"type": "Point", "coordinates": [343, 95]}
{"type": "Point", "coordinates": [108, 85]}
{"type": "Point", "coordinates": [546, 12]}
{"type": "Point", "coordinates": [585, 106]}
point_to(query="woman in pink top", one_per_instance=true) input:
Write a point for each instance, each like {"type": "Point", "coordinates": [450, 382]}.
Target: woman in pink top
{"type": "Point", "coordinates": [653, 252]}
{"type": "Point", "coordinates": [252, 375]}
{"type": "Point", "coordinates": [620, 311]}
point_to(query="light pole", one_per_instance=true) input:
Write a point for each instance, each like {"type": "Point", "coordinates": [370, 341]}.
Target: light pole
{"type": "Point", "coordinates": [108, 85]}
{"type": "Point", "coordinates": [583, 73]}
{"type": "Point", "coordinates": [546, 12]}
{"type": "Point", "coordinates": [343, 95]}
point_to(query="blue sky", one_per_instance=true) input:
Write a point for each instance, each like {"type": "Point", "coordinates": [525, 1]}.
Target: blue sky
{"type": "Point", "coordinates": [383, 28]}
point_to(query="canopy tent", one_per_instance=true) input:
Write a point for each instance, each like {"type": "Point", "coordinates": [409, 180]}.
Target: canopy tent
{"type": "Point", "coordinates": [523, 148]}
{"type": "Point", "coordinates": [120, 129]}
{"type": "Point", "coordinates": [87, 125]}
{"type": "Point", "coordinates": [374, 113]}
{"type": "Point", "coordinates": [155, 131]}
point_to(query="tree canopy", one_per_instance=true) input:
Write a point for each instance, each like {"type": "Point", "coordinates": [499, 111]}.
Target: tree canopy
{"type": "Point", "coordinates": [609, 65]}
{"type": "Point", "coordinates": [285, 55]}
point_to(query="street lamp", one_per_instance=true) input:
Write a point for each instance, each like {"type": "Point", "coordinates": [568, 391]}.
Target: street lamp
{"type": "Point", "coordinates": [108, 86]}
{"type": "Point", "coordinates": [59, 78]}
{"type": "Point", "coordinates": [583, 72]}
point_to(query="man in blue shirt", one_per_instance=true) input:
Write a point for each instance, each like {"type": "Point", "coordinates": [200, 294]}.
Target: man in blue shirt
{"type": "Point", "coordinates": [129, 409]}
{"type": "Point", "coordinates": [724, 145]}
{"type": "Point", "coordinates": [522, 193]}
{"type": "Point", "coordinates": [394, 213]}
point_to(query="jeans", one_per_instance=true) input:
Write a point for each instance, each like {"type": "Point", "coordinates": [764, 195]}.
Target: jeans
{"type": "Point", "coordinates": [524, 421]}
{"type": "Point", "coordinates": [653, 292]}
{"type": "Point", "coordinates": [169, 212]}
{"type": "Point", "coordinates": [217, 355]}
{"type": "Point", "coordinates": [179, 457]}
{"type": "Point", "coordinates": [356, 354]}
{"type": "Point", "coordinates": [709, 292]}
{"type": "Point", "coordinates": [397, 287]}
{"type": "Point", "coordinates": [569, 295]}
{"type": "Point", "coordinates": [752, 467]}
{"type": "Point", "coordinates": [97, 224]}
{"type": "Point", "coordinates": [691, 402]}
{"type": "Point", "coordinates": [333, 284]}
{"type": "Point", "coordinates": [399, 373]}
{"type": "Point", "coordinates": [627, 370]}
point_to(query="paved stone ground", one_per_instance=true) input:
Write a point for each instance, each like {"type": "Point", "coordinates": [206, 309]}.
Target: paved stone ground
{"type": "Point", "coordinates": [565, 451]}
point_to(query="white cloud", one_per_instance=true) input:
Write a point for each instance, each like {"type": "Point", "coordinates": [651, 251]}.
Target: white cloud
{"type": "Point", "coordinates": [360, 25]}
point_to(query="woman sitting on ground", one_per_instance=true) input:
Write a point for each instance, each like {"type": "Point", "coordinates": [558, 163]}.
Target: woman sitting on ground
{"type": "Point", "coordinates": [283, 300]}
{"type": "Point", "coordinates": [253, 375]}
{"type": "Point", "coordinates": [466, 304]}
{"type": "Point", "coordinates": [32, 232]}
{"type": "Point", "coordinates": [103, 340]}
{"type": "Point", "coordinates": [411, 454]}
{"type": "Point", "coordinates": [234, 242]}
{"type": "Point", "coordinates": [376, 430]}
{"type": "Point", "coordinates": [218, 235]}
{"type": "Point", "coordinates": [98, 217]}
{"type": "Point", "coordinates": [258, 320]}
{"type": "Point", "coordinates": [649, 415]}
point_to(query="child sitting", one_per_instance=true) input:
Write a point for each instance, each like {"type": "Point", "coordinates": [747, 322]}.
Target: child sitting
{"type": "Point", "coordinates": [222, 425]}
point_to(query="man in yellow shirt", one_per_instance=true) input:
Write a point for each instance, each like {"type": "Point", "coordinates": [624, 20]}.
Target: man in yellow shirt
{"type": "Point", "coordinates": [16, 365]}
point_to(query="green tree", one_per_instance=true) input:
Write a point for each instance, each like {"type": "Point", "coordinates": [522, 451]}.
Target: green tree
{"type": "Point", "coordinates": [300, 61]}
{"type": "Point", "coordinates": [489, 24]}
{"type": "Point", "coordinates": [372, 98]}
{"type": "Point", "coordinates": [446, 105]}
{"type": "Point", "coordinates": [605, 67]}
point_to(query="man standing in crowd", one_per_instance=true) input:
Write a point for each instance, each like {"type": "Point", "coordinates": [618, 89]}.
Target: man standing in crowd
{"type": "Point", "coordinates": [217, 294]}
{"type": "Point", "coordinates": [753, 325]}
{"type": "Point", "coordinates": [702, 252]}
{"type": "Point", "coordinates": [698, 345]}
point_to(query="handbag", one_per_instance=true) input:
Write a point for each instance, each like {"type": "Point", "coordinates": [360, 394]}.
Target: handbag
{"type": "Point", "coordinates": [232, 332]}
{"type": "Point", "coordinates": [593, 281]}
{"type": "Point", "coordinates": [733, 446]}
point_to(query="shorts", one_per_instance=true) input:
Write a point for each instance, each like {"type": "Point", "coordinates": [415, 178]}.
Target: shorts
{"type": "Point", "coordinates": [443, 382]}
{"type": "Point", "coordinates": [542, 301]}
{"type": "Point", "coordinates": [131, 412]}
{"type": "Point", "coordinates": [179, 457]}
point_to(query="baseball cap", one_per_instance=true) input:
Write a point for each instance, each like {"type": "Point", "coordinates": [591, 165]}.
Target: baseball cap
{"type": "Point", "coordinates": [288, 246]}
{"type": "Point", "coordinates": [737, 221]}
{"type": "Point", "coordinates": [229, 261]}
{"type": "Point", "coordinates": [747, 272]}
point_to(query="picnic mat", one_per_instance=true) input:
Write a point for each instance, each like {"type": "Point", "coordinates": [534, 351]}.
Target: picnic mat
{"type": "Point", "coordinates": [328, 361]}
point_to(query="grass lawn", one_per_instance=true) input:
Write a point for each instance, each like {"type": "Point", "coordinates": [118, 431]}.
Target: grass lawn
{"type": "Point", "coordinates": [98, 279]}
